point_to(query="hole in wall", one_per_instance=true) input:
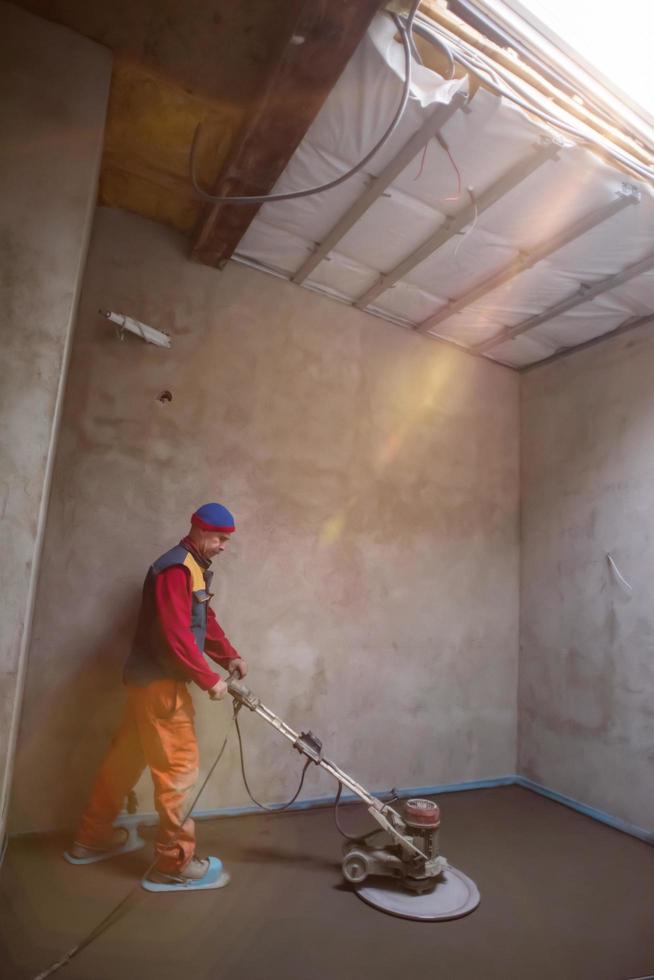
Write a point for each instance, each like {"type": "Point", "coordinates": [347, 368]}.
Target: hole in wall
{"type": "Point", "coordinates": [165, 396]}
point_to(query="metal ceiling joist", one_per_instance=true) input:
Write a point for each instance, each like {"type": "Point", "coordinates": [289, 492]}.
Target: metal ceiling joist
{"type": "Point", "coordinates": [629, 325]}
{"type": "Point", "coordinates": [320, 39]}
{"type": "Point", "coordinates": [584, 295]}
{"type": "Point", "coordinates": [546, 149]}
{"type": "Point", "coordinates": [526, 260]}
{"type": "Point", "coordinates": [539, 47]}
{"type": "Point", "coordinates": [378, 185]}
{"type": "Point", "coordinates": [254, 264]}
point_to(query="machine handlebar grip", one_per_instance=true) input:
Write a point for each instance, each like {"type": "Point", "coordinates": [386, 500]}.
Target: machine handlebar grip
{"type": "Point", "coordinates": [235, 685]}
{"type": "Point", "coordinates": [241, 692]}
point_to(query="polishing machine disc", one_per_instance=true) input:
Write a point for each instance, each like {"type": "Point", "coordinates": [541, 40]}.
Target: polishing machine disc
{"type": "Point", "coordinates": [453, 896]}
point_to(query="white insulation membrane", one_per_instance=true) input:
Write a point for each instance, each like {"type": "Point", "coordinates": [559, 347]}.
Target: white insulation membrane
{"type": "Point", "coordinates": [554, 219]}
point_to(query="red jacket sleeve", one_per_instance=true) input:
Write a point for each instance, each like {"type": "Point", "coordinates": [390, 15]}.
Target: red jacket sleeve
{"type": "Point", "coordinates": [216, 645]}
{"type": "Point", "coordinates": [174, 600]}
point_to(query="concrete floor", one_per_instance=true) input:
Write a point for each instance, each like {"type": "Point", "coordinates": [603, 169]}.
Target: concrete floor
{"type": "Point", "coordinates": [562, 897]}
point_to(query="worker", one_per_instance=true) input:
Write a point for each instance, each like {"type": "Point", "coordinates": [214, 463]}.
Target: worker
{"type": "Point", "coordinates": [175, 626]}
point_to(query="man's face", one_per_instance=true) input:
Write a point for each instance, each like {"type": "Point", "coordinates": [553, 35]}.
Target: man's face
{"type": "Point", "coordinates": [214, 543]}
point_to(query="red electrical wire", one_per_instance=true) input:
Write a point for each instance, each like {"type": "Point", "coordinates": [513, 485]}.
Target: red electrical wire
{"type": "Point", "coordinates": [459, 181]}
{"type": "Point", "coordinates": [457, 171]}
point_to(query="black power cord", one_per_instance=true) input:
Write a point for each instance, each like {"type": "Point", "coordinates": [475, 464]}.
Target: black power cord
{"type": "Point", "coordinates": [356, 838]}
{"type": "Point", "coordinates": [108, 920]}
{"type": "Point", "coordinates": [276, 808]}
{"type": "Point", "coordinates": [111, 916]}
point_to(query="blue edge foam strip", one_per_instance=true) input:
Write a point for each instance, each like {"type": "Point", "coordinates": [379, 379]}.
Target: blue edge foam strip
{"type": "Point", "coordinates": [324, 801]}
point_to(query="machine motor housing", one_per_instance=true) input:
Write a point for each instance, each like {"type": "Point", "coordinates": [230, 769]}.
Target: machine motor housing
{"type": "Point", "coordinates": [422, 822]}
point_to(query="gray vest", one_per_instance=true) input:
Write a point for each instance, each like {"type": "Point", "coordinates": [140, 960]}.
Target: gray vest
{"type": "Point", "coordinates": [149, 658]}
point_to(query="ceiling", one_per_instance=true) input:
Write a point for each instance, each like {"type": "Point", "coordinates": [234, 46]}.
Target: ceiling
{"type": "Point", "coordinates": [176, 63]}
{"type": "Point", "coordinates": [495, 231]}
{"type": "Point", "coordinates": [478, 223]}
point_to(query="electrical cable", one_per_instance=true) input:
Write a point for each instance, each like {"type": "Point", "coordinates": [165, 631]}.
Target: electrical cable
{"type": "Point", "coordinates": [417, 57]}
{"type": "Point", "coordinates": [405, 36]}
{"type": "Point", "coordinates": [438, 42]}
{"type": "Point", "coordinates": [503, 88]}
{"type": "Point", "coordinates": [277, 807]}
{"type": "Point", "coordinates": [110, 918]}
{"type": "Point", "coordinates": [104, 923]}
{"type": "Point", "coordinates": [423, 158]}
{"type": "Point", "coordinates": [503, 38]}
{"type": "Point", "coordinates": [351, 837]}
{"type": "Point", "coordinates": [615, 568]}
{"type": "Point", "coordinates": [285, 806]}
{"type": "Point", "coordinates": [584, 139]}
{"type": "Point", "coordinates": [497, 82]}
{"type": "Point", "coordinates": [456, 196]}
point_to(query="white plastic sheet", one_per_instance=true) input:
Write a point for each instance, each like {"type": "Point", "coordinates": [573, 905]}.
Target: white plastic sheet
{"type": "Point", "coordinates": [484, 141]}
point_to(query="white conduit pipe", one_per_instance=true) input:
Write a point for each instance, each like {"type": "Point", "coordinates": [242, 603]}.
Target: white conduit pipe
{"type": "Point", "coordinates": [615, 568]}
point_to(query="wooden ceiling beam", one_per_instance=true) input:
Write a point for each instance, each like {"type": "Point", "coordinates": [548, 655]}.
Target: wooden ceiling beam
{"type": "Point", "coordinates": [321, 37]}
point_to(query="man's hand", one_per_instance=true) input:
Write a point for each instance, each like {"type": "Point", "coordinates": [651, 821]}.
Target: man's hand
{"type": "Point", "coordinates": [238, 667]}
{"type": "Point", "coordinates": [218, 691]}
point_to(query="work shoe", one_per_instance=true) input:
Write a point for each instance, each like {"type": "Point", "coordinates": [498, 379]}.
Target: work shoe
{"type": "Point", "coordinates": [193, 871]}
{"type": "Point", "coordinates": [122, 841]}
{"type": "Point", "coordinates": [198, 873]}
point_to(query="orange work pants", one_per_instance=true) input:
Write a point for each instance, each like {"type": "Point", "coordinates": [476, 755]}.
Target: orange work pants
{"type": "Point", "coordinates": [157, 730]}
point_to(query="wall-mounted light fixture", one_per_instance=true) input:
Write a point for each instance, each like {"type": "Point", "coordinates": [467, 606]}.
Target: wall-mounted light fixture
{"type": "Point", "coordinates": [149, 334]}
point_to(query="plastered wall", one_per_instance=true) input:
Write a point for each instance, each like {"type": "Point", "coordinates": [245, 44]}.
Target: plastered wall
{"type": "Point", "coordinates": [587, 641]}
{"type": "Point", "coordinates": [53, 93]}
{"type": "Point", "coordinates": [373, 579]}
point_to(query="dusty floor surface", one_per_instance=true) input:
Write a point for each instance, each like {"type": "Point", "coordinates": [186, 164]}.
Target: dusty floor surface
{"type": "Point", "coordinates": [563, 898]}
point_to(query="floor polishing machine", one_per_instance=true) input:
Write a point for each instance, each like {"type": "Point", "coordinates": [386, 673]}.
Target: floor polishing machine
{"type": "Point", "coordinates": [407, 876]}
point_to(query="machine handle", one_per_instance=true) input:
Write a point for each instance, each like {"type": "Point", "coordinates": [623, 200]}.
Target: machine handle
{"type": "Point", "coordinates": [241, 692]}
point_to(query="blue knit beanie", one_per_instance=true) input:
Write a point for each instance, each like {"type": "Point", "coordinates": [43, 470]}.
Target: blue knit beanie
{"type": "Point", "coordinates": [214, 517]}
